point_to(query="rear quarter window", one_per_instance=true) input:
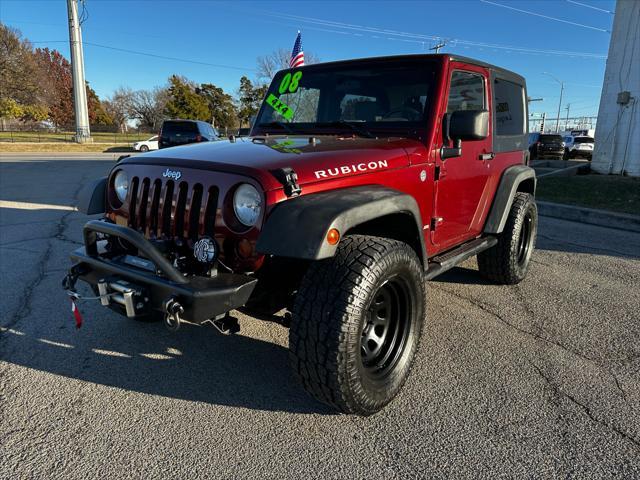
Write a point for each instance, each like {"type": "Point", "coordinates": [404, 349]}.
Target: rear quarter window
{"type": "Point", "coordinates": [509, 105]}
{"type": "Point", "coordinates": [173, 128]}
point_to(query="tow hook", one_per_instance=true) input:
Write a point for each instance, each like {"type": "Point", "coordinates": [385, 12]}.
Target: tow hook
{"type": "Point", "coordinates": [173, 311]}
{"type": "Point", "coordinates": [227, 325]}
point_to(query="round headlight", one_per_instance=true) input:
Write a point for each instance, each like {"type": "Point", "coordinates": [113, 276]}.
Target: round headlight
{"type": "Point", "coordinates": [121, 185]}
{"type": "Point", "coordinates": [247, 204]}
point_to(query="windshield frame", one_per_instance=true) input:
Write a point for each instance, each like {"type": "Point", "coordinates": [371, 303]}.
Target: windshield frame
{"type": "Point", "coordinates": [411, 129]}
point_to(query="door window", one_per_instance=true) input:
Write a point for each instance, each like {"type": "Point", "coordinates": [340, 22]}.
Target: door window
{"type": "Point", "coordinates": [466, 92]}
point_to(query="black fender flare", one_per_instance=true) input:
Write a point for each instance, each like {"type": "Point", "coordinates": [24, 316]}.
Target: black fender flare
{"type": "Point", "coordinates": [298, 227]}
{"type": "Point", "coordinates": [92, 198]}
{"type": "Point", "coordinates": [512, 178]}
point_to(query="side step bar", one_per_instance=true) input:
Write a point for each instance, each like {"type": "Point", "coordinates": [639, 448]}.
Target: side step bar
{"type": "Point", "coordinates": [445, 261]}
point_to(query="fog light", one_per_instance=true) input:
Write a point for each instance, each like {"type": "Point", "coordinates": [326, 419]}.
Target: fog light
{"type": "Point", "coordinates": [205, 250]}
{"type": "Point", "coordinates": [333, 237]}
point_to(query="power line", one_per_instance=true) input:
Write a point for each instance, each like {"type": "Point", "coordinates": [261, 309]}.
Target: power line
{"type": "Point", "coordinates": [591, 6]}
{"type": "Point", "coordinates": [153, 55]}
{"type": "Point", "coordinates": [418, 38]}
{"type": "Point", "coordinates": [545, 16]}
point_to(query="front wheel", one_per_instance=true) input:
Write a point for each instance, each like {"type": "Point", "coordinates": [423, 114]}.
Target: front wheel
{"type": "Point", "coordinates": [144, 148]}
{"type": "Point", "coordinates": [507, 262]}
{"type": "Point", "coordinates": [357, 319]}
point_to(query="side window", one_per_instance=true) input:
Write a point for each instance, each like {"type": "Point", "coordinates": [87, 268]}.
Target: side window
{"type": "Point", "coordinates": [509, 103]}
{"type": "Point", "coordinates": [466, 92]}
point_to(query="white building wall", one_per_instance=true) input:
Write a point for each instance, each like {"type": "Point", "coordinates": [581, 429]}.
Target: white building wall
{"type": "Point", "coordinates": [617, 140]}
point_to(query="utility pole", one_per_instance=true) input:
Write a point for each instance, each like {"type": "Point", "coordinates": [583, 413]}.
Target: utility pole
{"type": "Point", "coordinates": [83, 133]}
{"type": "Point", "coordinates": [438, 46]}
{"type": "Point", "coordinates": [567, 122]}
{"type": "Point", "coordinates": [560, 102]}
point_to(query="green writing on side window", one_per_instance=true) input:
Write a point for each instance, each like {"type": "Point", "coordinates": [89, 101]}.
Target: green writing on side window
{"type": "Point", "coordinates": [279, 106]}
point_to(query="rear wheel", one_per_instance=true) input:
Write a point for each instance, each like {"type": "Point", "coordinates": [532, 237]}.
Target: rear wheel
{"type": "Point", "coordinates": [356, 323]}
{"type": "Point", "coordinates": [508, 261]}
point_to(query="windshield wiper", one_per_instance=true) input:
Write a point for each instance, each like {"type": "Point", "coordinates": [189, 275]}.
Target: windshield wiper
{"type": "Point", "coordinates": [363, 132]}
{"type": "Point", "coordinates": [282, 125]}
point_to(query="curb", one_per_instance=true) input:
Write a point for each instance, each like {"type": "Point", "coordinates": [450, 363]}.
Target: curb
{"type": "Point", "coordinates": [621, 221]}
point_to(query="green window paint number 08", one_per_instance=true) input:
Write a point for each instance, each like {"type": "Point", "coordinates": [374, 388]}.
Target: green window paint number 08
{"type": "Point", "coordinates": [290, 82]}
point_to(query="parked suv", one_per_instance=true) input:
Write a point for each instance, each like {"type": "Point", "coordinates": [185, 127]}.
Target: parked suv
{"type": "Point", "coordinates": [578, 147]}
{"type": "Point", "coordinates": [361, 180]}
{"type": "Point", "coordinates": [548, 146]}
{"type": "Point", "coordinates": [181, 132]}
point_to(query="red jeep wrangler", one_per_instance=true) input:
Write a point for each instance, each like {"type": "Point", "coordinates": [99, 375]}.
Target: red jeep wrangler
{"type": "Point", "coordinates": [361, 180]}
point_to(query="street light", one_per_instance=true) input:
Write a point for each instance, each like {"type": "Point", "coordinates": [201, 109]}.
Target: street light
{"type": "Point", "coordinates": [560, 102]}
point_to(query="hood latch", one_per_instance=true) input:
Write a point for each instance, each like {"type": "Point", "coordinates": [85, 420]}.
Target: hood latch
{"type": "Point", "coordinates": [289, 180]}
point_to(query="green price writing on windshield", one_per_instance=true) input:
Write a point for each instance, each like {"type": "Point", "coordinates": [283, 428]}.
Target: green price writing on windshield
{"type": "Point", "coordinates": [290, 83]}
{"type": "Point", "coordinates": [280, 107]}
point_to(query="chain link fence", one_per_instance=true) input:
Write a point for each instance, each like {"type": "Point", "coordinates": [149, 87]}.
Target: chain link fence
{"type": "Point", "coordinates": [565, 125]}
{"type": "Point", "coordinates": [19, 133]}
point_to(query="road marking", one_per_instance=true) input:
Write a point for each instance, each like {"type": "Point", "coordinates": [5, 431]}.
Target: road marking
{"type": "Point", "coordinates": [35, 206]}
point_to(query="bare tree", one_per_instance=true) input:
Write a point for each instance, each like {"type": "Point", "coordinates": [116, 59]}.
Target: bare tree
{"type": "Point", "coordinates": [118, 107]}
{"type": "Point", "coordinates": [148, 106]}
{"type": "Point", "coordinates": [269, 65]}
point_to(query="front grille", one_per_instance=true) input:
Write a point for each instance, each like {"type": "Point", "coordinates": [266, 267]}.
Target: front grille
{"type": "Point", "coordinates": [168, 209]}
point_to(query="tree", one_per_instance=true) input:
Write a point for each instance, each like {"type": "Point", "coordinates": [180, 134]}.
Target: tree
{"type": "Point", "coordinates": [184, 102]}
{"type": "Point", "coordinates": [56, 85]}
{"type": "Point", "coordinates": [17, 68]}
{"type": "Point", "coordinates": [250, 98]}
{"type": "Point", "coordinates": [97, 113]}
{"type": "Point", "coordinates": [34, 113]}
{"type": "Point", "coordinates": [9, 108]}
{"type": "Point", "coordinates": [269, 65]}
{"type": "Point", "coordinates": [118, 107]}
{"type": "Point", "coordinates": [221, 107]}
{"type": "Point", "coordinates": [148, 106]}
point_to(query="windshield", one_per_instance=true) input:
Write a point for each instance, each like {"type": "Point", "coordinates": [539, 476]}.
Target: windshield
{"type": "Point", "coordinates": [372, 99]}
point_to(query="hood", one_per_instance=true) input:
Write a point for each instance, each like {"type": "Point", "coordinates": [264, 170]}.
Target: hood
{"type": "Point", "coordinates": [314, 159]}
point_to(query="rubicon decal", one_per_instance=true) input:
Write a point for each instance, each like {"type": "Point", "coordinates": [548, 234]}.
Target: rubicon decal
{"type": "Point", "coordinates": [354, 168]}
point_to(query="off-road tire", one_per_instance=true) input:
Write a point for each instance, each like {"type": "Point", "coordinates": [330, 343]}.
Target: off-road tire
{"type": "Point", "coordinates": [507, 262]}
{"type": "Point", "coordinates": [337, 303]}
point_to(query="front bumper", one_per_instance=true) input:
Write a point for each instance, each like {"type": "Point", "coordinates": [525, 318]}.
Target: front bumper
{"type": "Point", "coordinates": [203, 298]}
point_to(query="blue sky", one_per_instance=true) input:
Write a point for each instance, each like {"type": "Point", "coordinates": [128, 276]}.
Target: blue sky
{"type": "Point", "coordinates": [235, 33]}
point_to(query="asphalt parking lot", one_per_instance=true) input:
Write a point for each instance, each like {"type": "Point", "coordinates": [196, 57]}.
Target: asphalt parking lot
{"type": "Point", "coordinates": [538, 380]}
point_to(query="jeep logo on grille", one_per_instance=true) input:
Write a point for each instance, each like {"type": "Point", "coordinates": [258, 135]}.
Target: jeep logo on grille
{"type": "Point", "coordinates": [172, 174]}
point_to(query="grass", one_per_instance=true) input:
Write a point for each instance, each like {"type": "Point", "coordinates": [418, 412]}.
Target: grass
{"type": "Point", "coordinates": [101, 137]}
{"type": "Point", "coordinates": [62, 147]}
{"type": "Point", "coordinates": [605, 192]}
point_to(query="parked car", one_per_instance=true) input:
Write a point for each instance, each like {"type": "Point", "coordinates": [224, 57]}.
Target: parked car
{"type": "Point", "coordinates": [578, 147]}
{"type": "Point", "coordinates": [146, 145]}
{"type": "Point", "coordinates": [547, 146]}
{"type": "Point", "coordinates": [182, 132]}
{"type": "Point", "coordinates": [362, 180]}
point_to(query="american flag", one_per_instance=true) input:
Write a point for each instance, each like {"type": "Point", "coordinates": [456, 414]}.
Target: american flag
{"type": "Point", "coordinates": [297, 54]}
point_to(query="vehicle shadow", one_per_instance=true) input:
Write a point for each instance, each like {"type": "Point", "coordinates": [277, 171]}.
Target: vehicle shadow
{"type": "Point", "coordinates": [118, 149]}
{"type": "Point", "coordinates": [196, 364]}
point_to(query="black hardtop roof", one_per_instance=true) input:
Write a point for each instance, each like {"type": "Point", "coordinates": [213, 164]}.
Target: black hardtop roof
{"type": "Point", "coordinates": [502, 72]}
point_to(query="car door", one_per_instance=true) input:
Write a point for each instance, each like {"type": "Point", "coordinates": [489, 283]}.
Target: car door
{"type": "Point", "coordinates": [462, 195]}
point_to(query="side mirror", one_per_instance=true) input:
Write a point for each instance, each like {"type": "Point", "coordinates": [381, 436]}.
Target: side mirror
{"type": "Point", "coordinates": [469, 125]}
{"type": "Point", "coordinates": [463, 125]}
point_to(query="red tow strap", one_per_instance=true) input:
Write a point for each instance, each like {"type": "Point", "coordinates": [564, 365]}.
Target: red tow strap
{"type": "Point", "coordinates": [76, 313]}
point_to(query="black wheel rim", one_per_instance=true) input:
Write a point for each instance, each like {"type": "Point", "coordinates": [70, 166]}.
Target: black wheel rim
{"type": "Point", "coordinates": [524, 242]}
{"type": "Point", "coordinates": [386, 329]}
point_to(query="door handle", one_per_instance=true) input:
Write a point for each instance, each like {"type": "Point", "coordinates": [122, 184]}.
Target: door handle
{"type": "Point", "coordinates": [487, 156]}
